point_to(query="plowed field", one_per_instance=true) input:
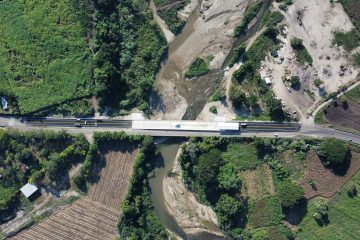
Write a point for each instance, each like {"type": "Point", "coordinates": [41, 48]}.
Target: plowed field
{"type": "Point", "coordinates": [96, 216]}
{"type": "Point", "coordinates": [114, 169]}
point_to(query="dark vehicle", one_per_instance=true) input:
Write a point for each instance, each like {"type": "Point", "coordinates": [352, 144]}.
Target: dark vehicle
{"type": "Point", "coordinates": [78, 125]}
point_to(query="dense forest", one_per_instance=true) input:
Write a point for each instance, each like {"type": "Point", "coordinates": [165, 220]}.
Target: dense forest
{"type": "Point", "coordinates": [129, 46]}
{"type": "Point", "coordinates": [38, 157]}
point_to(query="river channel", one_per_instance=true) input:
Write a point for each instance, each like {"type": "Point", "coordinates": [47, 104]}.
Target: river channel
{"type": "Point", "coordinates": [168, 150]}
{"type": "Point", "coordinates": [196, 91]}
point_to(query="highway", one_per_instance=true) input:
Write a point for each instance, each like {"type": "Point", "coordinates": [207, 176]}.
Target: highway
{"type": "Point", "coordinates": [261, 129]}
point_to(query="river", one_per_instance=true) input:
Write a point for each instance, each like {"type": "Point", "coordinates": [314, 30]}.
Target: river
{"type": "Point", "coordinates": [164, 163]}
{"type": "Point", "coordinates": [196, 91]}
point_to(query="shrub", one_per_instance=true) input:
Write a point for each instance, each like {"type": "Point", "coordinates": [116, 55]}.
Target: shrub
{"type": "Point", "coordinates": [295, 81]}
{"type": "Point", "coordinates": [349, 40]}
{"type": "Point", "coordinates": [352, 191]}
{"type": "Point", "coordinates": [226, 208]}
{"type": "Point", "coordinates": [197, 68]}
{"type": "Point", "coordinates": [237, 96]}
{"type": "Point", "coordinates": [289, 194]}
{"type": "Point", "coordinates": [333, 151]}
{"type": "Point", "coordinates": [296, 43]}
{"type": "Point", "coordinates": [213, 109]}
{"type": "Point", "coordinates": [318, 82]}
{"type": "Point", "coordinates": [228, 178]}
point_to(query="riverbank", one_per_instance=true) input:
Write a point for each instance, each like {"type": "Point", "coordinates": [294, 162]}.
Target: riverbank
{"type": "Point", "coordinates": [194, 218]}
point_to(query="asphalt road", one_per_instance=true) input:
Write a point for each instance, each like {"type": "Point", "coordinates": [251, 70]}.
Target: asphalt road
{"type": "Point", "coordinates": [252, 129]}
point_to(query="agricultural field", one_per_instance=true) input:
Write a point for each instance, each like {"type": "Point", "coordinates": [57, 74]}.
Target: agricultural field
{"type": "Point", "coordinates": [84, 219]}
{"type": "Point", "coordinates": [342, 112]}
{"type": "Point", "coordinates": [323, 181]}
{"type": "Point", "coordinates": [343, 216]}
{"type": "Point", "coordinates": [114, 172]}
{"type": "Point", "coordinates": [44, 55]}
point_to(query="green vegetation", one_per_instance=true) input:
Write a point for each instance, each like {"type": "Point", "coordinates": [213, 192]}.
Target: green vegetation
{"type": "Point", "coordinates": [302, 55]}
{"type": "Point", "coordinates": [290, 194]}
{"type": "Point", "coordinates": [247, 76]}
{"type": "Point", "coordinates": [213, 109]}
{"type": "Point", "coordinates": [237, 54]}
{"type": "Point", "coordinates": [226, 208]}
{"type": "Point", "coordinates": [352, 7]}
{"type": "Point", "coordinates": [170, 16]}
{"type": "Point", "coordinates": [197, 68]}
{"type": "Point", "coordinates": [285, 4]}
{"type": "Point", "coordinates": [265, 212]}
{"type": "Point", "coordinates": [139, 220]}
{"type": "Point", "coordinates": [342, 216]}
{"type": "Point", "coordinates": [295, 81]}
{"type": "Point", "coordinates": [213, 168]}
{"type": "Point", "coordinates": [129, 47]}
{"type": "Point", "coordinates": [356, 59]}
{"type": "Point", "coordinates": [318, 82]}
{"type": "Point", "coordinates": [271, 18]}
{"type": "Point", "coordinates": [218, 95]}
{"type": "Point", "coordinates": [38, 157]}
{"type": "Point", "coordinates": [249, 15]}
{"type": "Point", "coordinates": [241, 156]}
{"type": "Point", "coordinates": [334, 151]}
{"type": "Point", "coordinates": [349, 40]}
{"type": "Point", "coordinates": [44, 57]}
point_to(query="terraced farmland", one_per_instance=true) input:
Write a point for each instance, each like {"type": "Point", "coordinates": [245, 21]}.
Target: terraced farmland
{"type": "Point", "coordinates": [95, 216]}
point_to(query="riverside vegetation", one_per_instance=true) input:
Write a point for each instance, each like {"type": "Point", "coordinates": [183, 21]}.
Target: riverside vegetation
{"type": "Point", "coordinates": [213, 169]}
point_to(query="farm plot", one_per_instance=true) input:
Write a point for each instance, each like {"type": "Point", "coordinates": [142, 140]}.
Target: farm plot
{"type": "Point", "coordinates": [114, 170]}
{"type": "Point", "coordinates": [344, 117]}
{"type": "Point", "coordinates": [325, 182]}
{"type": "Point", "coordinates": [84, 219]}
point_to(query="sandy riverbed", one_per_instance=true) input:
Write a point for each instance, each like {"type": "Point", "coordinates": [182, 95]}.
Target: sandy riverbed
{"type": "Point", "coordinates": [193, 218]}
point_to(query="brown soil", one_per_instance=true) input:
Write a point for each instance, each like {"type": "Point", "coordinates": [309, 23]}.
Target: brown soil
{"type": "Point", "coordinates": [114, 172]}
{"type": "Point", "coordinates": [84, 219]}
{"type": "Point", "coordinates": [258, 184]}
{"type": "Point", "coordinates": [326, 182]}
{"type": "Point", "coordinates": [345, 118]}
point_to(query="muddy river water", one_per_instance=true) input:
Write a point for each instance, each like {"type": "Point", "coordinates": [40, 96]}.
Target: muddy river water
{"type": "Point", "coordinates": [164, 163]}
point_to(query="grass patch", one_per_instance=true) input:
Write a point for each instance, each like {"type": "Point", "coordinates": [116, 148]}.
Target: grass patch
{"type": "Point", "coordinates": [271, 18]}
{"type": "Point", "coordinates": [242, 156]}
{"type": "Point", "coordinates": [353, 95]}
{"type": "Point", "coordinates": [265, 212]}
{"type": "Point", "coordinates": [344, 215]}
{"type": "Point", "coordinates": [197, 68]}
{"type": "Point", "coordinates": [44, 57]}
{"type": "Point", "coordinates": [356, 59]}
{"type": "Point", "coordinates": [302, 55]}
{"type": "Point", "coordinates": [218, 95]}
{"type": "Point", "coordinates": [349, 40]}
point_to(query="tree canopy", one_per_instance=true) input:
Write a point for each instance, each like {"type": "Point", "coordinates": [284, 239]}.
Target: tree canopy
{"type": "Point", "coordinates": [226, 208]}
{"type": "Point", "coordinates": [289, 194]}
{"type": "Point", "coordinates": [334, 151]}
